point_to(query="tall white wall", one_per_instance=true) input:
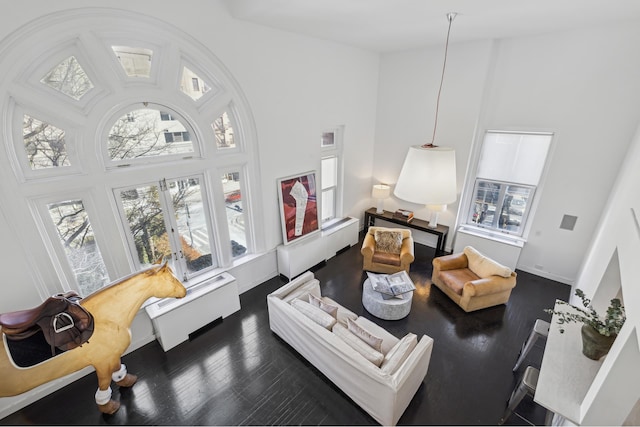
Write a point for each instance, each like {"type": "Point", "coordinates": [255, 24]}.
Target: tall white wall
{"type": "Point", "coordinates": [616, 247]}
{"type": "Point", "coordinates": [581, 84]}
{"type": "Point", "coordinates": [296, 87]}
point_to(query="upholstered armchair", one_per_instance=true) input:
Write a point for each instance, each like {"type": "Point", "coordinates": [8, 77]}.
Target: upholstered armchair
{"type": "Point", "coordinates": [387, 250]}
{"type": "Point", "coordinates": [472, 280]}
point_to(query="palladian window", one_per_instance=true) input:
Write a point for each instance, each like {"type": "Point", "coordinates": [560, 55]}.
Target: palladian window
{"type": "Point", "coordinates": [120, 130]}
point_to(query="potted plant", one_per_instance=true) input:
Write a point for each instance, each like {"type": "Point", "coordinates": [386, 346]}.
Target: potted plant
{"type": "Point", "coordinates": [598, 333]}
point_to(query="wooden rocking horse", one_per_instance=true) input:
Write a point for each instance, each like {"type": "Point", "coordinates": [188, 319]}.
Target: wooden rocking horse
{"type": "Point", "coordinates": [113, 309]}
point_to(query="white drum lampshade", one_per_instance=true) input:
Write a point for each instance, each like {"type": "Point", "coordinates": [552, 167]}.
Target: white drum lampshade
{"type": "Point", "coordinates": [428, 177]}
{"type": "Point", "coordinates": [380, 192]}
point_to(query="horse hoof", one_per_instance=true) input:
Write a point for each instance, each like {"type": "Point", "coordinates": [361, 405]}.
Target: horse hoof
{"type": "Point", "coordinates": [110, 407]}
{"type": "Point", "coordinates": [128, 380]}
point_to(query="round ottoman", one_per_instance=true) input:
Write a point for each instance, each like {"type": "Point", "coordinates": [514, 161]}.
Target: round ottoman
{"type": "Point", "coordinates": [387, 309]}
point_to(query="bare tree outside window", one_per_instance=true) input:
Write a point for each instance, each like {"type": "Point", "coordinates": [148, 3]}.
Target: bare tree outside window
{"type": "Point", "coordinates": [147, 222]}
{"type": "Point", "coordinates": [76, 235]}
{"type": "Point", "coordinates": [44, 144]}
{"type": "Point", "coordinates": [144, 216]}
{"type": "Point", "coordinates": [141, 133]}
{"type": "Point", "coordinates": [69, 78]}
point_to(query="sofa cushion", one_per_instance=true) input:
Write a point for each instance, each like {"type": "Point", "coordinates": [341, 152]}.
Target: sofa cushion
{"type": "Point", "coordinates": [319, 316]}
{"type": "Point", "coordinates": [374, 341]}
{"type": "Point", "coordinates": [388, 241]}
{"type": "Point", "coordinates": [386, 258]}
{"type": "Point", "coordinates": [399, 353]}
{"type": "Point", "coordinates": [357, 344]}
{"type": "Point", "coordinates": [455, 279]}
{"type": "Point", "coordinates": [332, 309]}
{"type": "Point", "coordinates": [343, 313]}
{"type": "Point", "coordinates": [484, 267]}
{"type": "Point", "coordinates": [302, 292]}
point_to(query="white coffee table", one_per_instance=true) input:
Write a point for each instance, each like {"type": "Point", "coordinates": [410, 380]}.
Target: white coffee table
{"type": "Point", "coordinates": [387, 309]}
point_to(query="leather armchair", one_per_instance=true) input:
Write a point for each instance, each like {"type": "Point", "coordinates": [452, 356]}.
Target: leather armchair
{"type": "Point", "coordinates": [452, 275]}
{"type": "Point", "coordinates": [387, 262]}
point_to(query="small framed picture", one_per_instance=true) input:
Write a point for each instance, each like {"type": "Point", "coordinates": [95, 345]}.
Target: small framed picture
{"type": "Point", "coordinates": [297, 197]}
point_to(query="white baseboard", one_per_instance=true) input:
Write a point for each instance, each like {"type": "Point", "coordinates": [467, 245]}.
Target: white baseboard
{"type": "Point", "coordinates": [546, 274]}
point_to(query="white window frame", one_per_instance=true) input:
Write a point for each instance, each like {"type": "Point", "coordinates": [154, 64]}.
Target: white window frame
{"type": "Point", "coordinates": [241, 171]}
{"type": "Point", "coordinates": [333, 189]}
{"type": "Point", "coordinates": [89, 36]}
{"type": "Point", "coordinates": [165, 158]}
{"type": "Point", "coordinates": [334, 150]}
{"type": "Point", "coordinates": [232, 115]}
{"type": "Point", "coordinates": [73, 47]}
{"type": "Point", "coordinates": [466, 211]}
{"type": "Point", "coordinates": [19, 159]}
{"type": "Point", "coordinates": [168, 214]}
{"type": "Point", "coordinates": [499, 208]}
{"type": "Point", "coordinates": [51, 240]}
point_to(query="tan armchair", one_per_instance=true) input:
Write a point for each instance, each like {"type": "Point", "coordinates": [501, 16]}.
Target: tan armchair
{"type": "Point", "coordinates": [392, 252]}
{"type": "Point", "coordinates": [472, 280]}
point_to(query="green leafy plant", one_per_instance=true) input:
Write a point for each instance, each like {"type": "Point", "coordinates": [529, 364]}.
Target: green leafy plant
{"type": "Point", "coordinates": [608, 325]}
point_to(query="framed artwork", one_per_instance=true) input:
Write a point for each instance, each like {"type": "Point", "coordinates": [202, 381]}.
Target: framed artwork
{"type": "Point", "coordinates": [297, 197]}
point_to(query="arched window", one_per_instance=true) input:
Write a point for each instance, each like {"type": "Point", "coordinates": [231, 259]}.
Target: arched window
{"type": "Point", "coordinates": [129, 142]}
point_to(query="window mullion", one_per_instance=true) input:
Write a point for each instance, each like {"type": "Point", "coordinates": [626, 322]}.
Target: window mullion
{"type": "Point", "coordinates": [172, 230]}
{"type": "Point", "coordinates": [499, 206]}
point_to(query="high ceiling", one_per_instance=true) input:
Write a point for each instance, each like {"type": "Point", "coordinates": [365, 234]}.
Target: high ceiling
{"type": "Point", "coordinates": [391, 25]}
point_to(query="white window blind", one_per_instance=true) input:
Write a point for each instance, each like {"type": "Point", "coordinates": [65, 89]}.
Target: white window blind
{"type": "Point", "coordinates": [513, 157]}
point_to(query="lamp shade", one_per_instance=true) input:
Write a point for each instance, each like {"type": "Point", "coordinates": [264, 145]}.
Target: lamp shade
{"type": "Point", "coordinates": [381, 191]}
{"type": "Point", "coordinates": [428, 176]}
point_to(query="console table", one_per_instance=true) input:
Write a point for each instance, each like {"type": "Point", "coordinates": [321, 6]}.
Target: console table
{"type": "Point", "coordinates": [419, 224]}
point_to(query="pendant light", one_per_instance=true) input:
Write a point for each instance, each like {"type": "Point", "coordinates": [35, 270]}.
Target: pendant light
{"type": "Point", "coordinates": [428, 175]}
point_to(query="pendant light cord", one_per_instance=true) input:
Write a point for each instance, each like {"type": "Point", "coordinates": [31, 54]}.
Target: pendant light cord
{"type": "Point", "coordinates": [450, 17]}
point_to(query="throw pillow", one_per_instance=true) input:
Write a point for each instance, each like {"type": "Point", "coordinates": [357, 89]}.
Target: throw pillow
{"type": "Point", "coordinates": [329, 308]}
{"type": "Point", "coordinates": [484, 267]}
{"type": "Point", "coordinates": [322, 318]}
{"type": "Point", "coordinates": [343, 313]}
{"type": "Point", "coordinates": [388, 241]}
{"type": "Point", "coordinates": [388, 340]}
{"type": "Point", "coordinates": [358, 345]}
{"type": "Point", "coordinates": [399, 353]}
{"type": "Point", "coordinates": [366, 336]}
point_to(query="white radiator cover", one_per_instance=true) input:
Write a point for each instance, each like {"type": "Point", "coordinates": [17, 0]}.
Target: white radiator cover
{"type": "Point", "coordinates": [174, 319]}
{"type": "Point", "coordinates": [503, 249]}
{"type": "Point", "coordinates": [298, 257]}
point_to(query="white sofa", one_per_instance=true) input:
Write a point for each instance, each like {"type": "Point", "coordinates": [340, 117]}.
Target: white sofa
{"type": "Point", "coordinates": [383, 391]}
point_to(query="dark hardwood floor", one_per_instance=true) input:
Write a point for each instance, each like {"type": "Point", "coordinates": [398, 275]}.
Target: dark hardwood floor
{"type": "Point", "coordinates": [240, 373]}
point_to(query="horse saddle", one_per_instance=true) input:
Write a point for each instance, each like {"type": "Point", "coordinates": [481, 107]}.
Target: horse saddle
{"type": "Point", "coordinates": [64, 322]}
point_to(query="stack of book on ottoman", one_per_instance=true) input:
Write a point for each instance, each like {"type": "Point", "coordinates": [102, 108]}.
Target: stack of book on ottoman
{"type": "Point", "coordinates": [391, 285]}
